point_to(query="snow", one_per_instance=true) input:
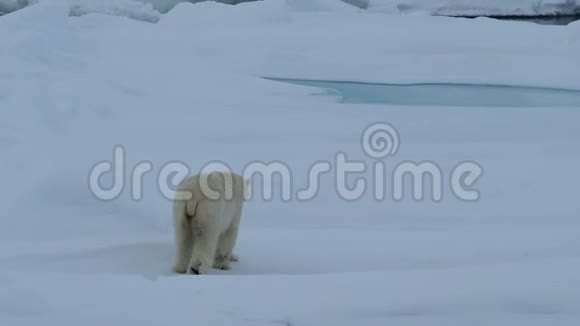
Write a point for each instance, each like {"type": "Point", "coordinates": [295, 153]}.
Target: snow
{"type": "Point", "coordinates": [151, 10]}
{"type": "Point", "coordinates": [128, 8]}
{"type": "Point", "coordinates": [188, 88]}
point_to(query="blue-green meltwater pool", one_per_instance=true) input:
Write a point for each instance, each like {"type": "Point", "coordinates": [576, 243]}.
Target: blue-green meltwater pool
{"type": "Point", "coordinates": [435, 94]}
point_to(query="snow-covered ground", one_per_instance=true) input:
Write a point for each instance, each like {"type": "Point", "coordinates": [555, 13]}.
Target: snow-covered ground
{"type": "Point", "coordinates": [188, 88]}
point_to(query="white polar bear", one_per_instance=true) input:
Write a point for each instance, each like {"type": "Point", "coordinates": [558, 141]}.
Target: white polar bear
{"type": "Point", "coordinates": [206, 221]}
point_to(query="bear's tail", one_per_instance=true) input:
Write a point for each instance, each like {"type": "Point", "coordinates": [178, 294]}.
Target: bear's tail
{"type": "Point", "coordinates": [180, 211]}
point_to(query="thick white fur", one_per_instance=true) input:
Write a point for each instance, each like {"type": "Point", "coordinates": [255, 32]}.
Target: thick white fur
{"type": "Point", "coordinates": [206, 229]}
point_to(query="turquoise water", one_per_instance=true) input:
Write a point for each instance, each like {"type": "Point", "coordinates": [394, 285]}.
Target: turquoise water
{"type": "Point", "coordinates": [443, 94]}
{"type": "Point", "coordinates": [548, 20]}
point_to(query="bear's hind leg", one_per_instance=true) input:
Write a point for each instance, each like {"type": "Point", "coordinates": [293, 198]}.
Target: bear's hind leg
{"type": "Point", "coordinates": [203, 251]}
{"type": "Point", "coordinates": [184, 246]}
{"type": "Point", "coordinates": [227, 242]}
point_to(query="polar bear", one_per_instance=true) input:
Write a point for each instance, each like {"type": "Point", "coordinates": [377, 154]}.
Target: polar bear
{"type": "Point", "coordinates": [207, 210]}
